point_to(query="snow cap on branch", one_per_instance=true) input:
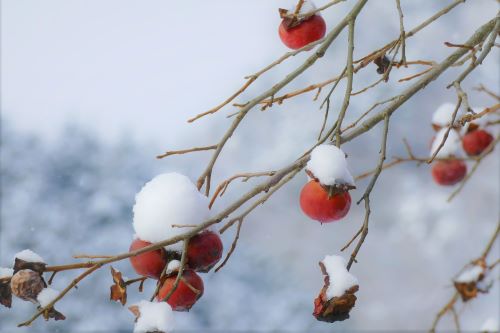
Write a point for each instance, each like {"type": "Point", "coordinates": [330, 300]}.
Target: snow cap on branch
{"type": "Point", "coordinates": [451, 147]}
{"type": "Point", "coordinates": [46, 296]}
{"type": "Point", "coordinates": [328, 164]}
{"type": "Point", "coordinates": [444, 114]}
{"type": "Point", "coordinates": [154, 317]}
{"type": "Point", "coordinates": [29, 256]}
{"type": "Point", "coordinates": [6, 272]}
{"type": "Point", "coordinates": [340, 279]}
{"type": "Point", "coordinates": [490, 325]}
{"type": "Point", "coordinates": [168, 199]}
{"type": "Point", "coordinates": [471, 274]}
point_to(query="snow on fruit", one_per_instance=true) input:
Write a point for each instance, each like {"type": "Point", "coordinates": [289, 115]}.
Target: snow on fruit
{"type": "Point", "coordinates": [153, 317]}
{"type": "Point", "coordinates": [188, 291]}
{"type": "Point", "coordinates": [325, 198]}
{"type": "Point", "coordinates": [298, 32]}
{"type": "Point", "coordinates": [336, 298]}
{"type": "Point", "coordinates": [168, 200]}
{"type": "Point", "coordinates": [204, 251]}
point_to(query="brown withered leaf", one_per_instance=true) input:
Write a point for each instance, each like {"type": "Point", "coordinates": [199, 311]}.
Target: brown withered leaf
{"type": "Point", "coordinates": [382, 64]}
{"type": "Point", "coordinates": [470, 290]}
{"type": "Point", "coordinates": [20, 264]}
{"type": "Point", "coordinates": [5, 292]}
{"type": "Point", "coordinates": [119, 288]}
{"type": "Point", "coordinates": [337, 308]}
{"type": "Point", "coordinates": [332, 189]}
{"type": "Point", "coordinates": [53, 313]}
{"type": "Point", "coordinates": [289, 20]}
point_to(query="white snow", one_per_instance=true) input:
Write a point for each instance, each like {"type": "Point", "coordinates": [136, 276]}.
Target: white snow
{"type": "Point", "coordinates": [173, 266]}
{"type": "Point", "coordinates": [340, 279]}
{"type": "Point", "coordinates": [307, 6]}
{"type": "Point", "coordinates": [6, 272]}
{"type": "Point", "coordinates": [490, 325]}
{"type": "Point", "coordinates": [329, 165]}
{"type": "Point", "coordinates": [168, 199]}
{"type": "Point", "coordinates": [452, 146]}
{"type": "Point", "coordinates": [154, 316]}
{"type": "Point", "coordinates": [444, 114]}
{"type": "Point", "coordinates": [46, 296]}
{"type": "Point", "coordinates": [470, 274]}
{"type": "Point", "coordinates": [29, 256]}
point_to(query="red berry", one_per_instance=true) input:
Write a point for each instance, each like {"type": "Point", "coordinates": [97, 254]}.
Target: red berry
{"type": "Point", "coordinates": [148, 264]}
{"type": "Point", "coordinates": [475, 142]}
{"type": "Point", "coordinates": [315, 203]}
{"type": "Point", "coordinates": [304, 33]}
{"type": "Point", "coordinates": [204, 251]}
{"type": "Point", "coordinates": [183, 298]}
{"type": "Point", "coordinates": [449, 172]}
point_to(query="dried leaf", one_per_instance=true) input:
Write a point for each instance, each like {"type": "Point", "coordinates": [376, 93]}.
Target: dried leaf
{"type": "Point", "coordinates": [53, 313]}
{"type": "Point", "coordinates": [469, 290]}
{"type": "Point", "coordinates": [135, 310]}
{"type": "Point", "coordinates": [26, 285]}
{"type": "Point", "coordinates": [119, 288]}
{"type": "Point", "coordinates": [5, 292]}
{"type": "Point", "coordinates": [382, 63]}
{"type": "Point", "coordinates": [20, 264]}
{"type": "Point", "coordinates": [337, 308]}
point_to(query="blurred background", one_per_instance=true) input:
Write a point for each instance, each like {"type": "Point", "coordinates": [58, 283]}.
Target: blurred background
{"type": "Point", "coordinates": [92, 91]}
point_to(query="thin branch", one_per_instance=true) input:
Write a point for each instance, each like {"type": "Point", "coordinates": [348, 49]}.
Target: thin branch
{"type": "Point", "coordinates": [185, 151]}
{"type": "Point", "coordinates": [179, 272]}
{"type": "Point", "coordinates": [450, 126]}
{"type": "Point", "coordinates": [348, 89]}
{"type": "Point", "coordinates": [402, 34]}
{"type": "Point", "coordinates": [233, 246]}
{"type": "Point", "coordinates": [222, 187]}
{"type": "Point", "coordinates": [366, 195]}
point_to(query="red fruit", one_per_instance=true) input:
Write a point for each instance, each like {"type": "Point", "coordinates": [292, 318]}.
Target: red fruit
{"type": "Point", "coordinates": [304, 33]}
{"type": "Point", "coordinates": [183, 298]}
{"type": "Point", "coordinates": [148, 264]}
{"type": "Point", "coordinates": [204, 251]}
{"type": "Point", "coordinates": [475, 142]}
{"type": "Point", "coordinates": [449, 172]}
{"type": "Point", "coordinates": [315, 203]}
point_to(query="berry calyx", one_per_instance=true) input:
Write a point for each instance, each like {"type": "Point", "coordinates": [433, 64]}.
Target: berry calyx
{"type": "Point", "coordinates": [449, 172]}
{"type": "Point", "coordinates": [475, 142]}
{"type": "Point", "coordinates": [188, 291]}
{"type": "Point", "coordinates": [204, 251]}
{"type": "Point", "coordinates": [148, 264]}
{"type": "Point", "coordinates": [304, 33]}
{"type": "Point", "coordinates": [316, 203]}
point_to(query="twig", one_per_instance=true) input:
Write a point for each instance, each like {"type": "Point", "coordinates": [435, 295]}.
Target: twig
{"type": "Point", "coordinates": [233, 246]}
{"type": "Point", "coordinates": [179, 273]}
{"type": "Point", "coordinates": [482, 88]}
{"type": "Point", "coordinates": [348, 89]}
{"type": "Point", "coordinates": [221, 189]}
{"type": "Point", "coordinates": [402, 34]}
{"type": "Point", "coordinates": [450, 126]}
{"type": "Point", "coordinates": [185, 151]}
{"type": "Point", "coordinates": [366, 195]}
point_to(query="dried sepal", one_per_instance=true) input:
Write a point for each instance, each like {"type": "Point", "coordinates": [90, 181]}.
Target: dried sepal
{"type": "Point", "coordinates": [5, 292]}
{"type": "Point", "coordinates": [470, 289]}
{"type": "Point", "coordinates": [119, 288]}
{"type": "Point", "coordinates": [382, 64]}
{"type": "Point", "coordinates": [20, 264]}
{"type": "Point", "coordinates": [53, 313]}
{"type": "Point", "coordinates": [332, 189]}
{"type": "Point", "coordinates": [27, 284]}
{"type": "Point", "coordinates": [290, 20]}
{"type": "Point", "coordinates": [336, 308]}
